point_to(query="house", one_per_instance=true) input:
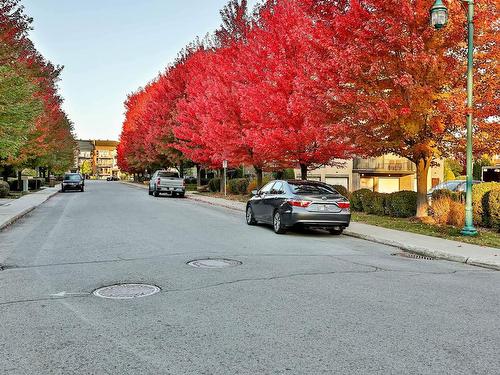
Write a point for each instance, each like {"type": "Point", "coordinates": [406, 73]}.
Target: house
{"type": "Point", "coordinates": [384, 174]}
{"type": "Point", "coordinates": [102, 156]}
{"type": "Point", "coordinates": [104, 159]}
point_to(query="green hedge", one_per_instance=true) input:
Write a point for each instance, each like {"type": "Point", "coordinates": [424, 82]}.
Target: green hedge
{"type": "Point", "coordinates": [378, 204]}
{"type": "Point", "coordinates": [342, 190]}
{"type": "Point", "coordinates": [238, 186]}
{"type": "Point", "coordinates": [214, 185]}
{"type": "Point", "coordinates": [4, 189]}
{"type": "Point", "coordinates": [402, 204]}
{"type": "Point", "coordinates": [191, 187]}
{"type": "Point", "coordinates": [494, 208]}
{"type": "Point", "coordinates": [480, 202]}
{"type": "Point", "coordinates": [356, 199]}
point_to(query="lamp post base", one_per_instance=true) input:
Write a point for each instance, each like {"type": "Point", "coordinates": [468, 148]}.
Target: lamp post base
{"type": "Point", "coordinates": [469, 231]}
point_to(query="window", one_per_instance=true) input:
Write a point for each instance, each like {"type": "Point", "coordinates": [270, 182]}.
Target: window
{"type": "Point", "coordinates": [278, 188]}
{"type": "Point", "coordinates": [305, 188]}
{"type": "Point", "coordinates": [267, 189]}
{"type": "Point", "coordinates": [72, 177]}
{"type": "Point", "coordinates": [168, 174]}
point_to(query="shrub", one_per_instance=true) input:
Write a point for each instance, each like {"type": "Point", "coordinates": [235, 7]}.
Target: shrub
{"type": "Point", "coordinates": [367, 201]}
{"type": "Point", "coordinates": [4, 189]}
{"type": "Point", "coordinates": [440, 209]}
{"type": "Point", "coordinates": [34, 184]}
{"type": "Point", "coordinates": [480, 195]}
{"type": "Point", "coordinates": [252, 185]}
{"type": "Point", "coordinates": [378, 204]}
{"type": "Point", "coordinates": [191, 187]}
{"type": "Point", "coordinates": [402, 204]}
{"type": "Point", "coordinates": [494, 208]}
{"type": "Point", "coordinates": [238, 186]}
{"type": "Point", "coordinates": [342, 190]}
{"type": "Point", "coordinates": [456, 216]}
{"type": "Point", "coordinates": [441, 193]}
{"type": "Point", "coordinates": [356, 199]}
{"type": "Point", "coordinates": [214, 184]}
{"type": "Point", "coordinates": [13, 185]}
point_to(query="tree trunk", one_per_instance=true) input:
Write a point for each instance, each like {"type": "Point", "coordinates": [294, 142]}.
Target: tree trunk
{"type": "Point", "coordinates": [423, 166]}
{"type": "Point", "coordinates": [280, 174]}
{"type": "Point", "coordinates": [303, 172]}
{"type": "Point", "coordinates": [221, 172]}
{"type": "Point", "coordinates": [19, 181]}
{"type": "Point", "coordinates": [198, 175]}
{"type": "Point", "coordinates": [258, 172]}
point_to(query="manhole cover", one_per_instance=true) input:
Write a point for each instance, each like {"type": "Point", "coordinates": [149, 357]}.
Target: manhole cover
{"type": "Point", "coordinates": [413, 256]}
{"type": "Point", "coordinates": [214, 263]}
{"type": "Point", "coordinates": [126, 291]}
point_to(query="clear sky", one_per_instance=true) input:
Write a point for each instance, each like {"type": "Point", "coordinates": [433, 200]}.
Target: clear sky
{"type": "Point", "coordinates": [111, 47]}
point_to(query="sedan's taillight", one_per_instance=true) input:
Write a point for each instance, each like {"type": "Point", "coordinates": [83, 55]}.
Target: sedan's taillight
{"type": "Point", "coordinates": [344, 205]}
{"type": "Point", "coordinates": [297, 203]}
{"type": "Point", "coordinates": [158, 181]}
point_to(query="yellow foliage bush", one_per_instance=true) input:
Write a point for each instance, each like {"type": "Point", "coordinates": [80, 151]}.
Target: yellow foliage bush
{"type": "Point", "coordinates": [456, 217]}
{"type": "Point", "coordinates": [441, 210]}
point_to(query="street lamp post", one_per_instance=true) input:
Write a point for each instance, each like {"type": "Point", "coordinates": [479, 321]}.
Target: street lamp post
{"type": "Point", "coordinates": [439, 18]}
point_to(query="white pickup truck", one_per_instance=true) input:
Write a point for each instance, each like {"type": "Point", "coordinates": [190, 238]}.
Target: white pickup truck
{"type": "Point", "coordinates": [167, 182]}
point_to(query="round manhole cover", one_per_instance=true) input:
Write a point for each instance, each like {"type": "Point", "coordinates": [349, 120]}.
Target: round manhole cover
{"type": "Point", "coordinates": [126, 291]}
{"type": "Point", "coordinates": [214, 263]}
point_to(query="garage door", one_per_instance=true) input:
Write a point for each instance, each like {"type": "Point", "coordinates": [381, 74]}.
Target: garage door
{"type": "Point", "coordinates": [343, 181]}
{"type": "Point", "coordinates": [388, 185]}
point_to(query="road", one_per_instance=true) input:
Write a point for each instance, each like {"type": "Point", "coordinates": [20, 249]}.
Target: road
{"type": "Point", "coordinates": [303, 303]}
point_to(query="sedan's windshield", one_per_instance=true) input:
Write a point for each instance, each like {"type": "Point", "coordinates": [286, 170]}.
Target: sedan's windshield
{"type": "Point", "coordinates": [311, 189]}
{"type": "Point", "coordinates": [72, 177]}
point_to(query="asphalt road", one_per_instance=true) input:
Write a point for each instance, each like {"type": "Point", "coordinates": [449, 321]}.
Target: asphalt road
{"type": "Point", "coordinates": [303, 303]}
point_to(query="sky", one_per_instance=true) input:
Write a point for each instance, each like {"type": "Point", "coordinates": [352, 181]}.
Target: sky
{"type": "Point", "coordinates": [109, 48]}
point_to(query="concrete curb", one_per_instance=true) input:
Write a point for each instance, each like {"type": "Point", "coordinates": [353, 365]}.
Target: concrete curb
{"type": "Point", "coordinates": [26, 211]}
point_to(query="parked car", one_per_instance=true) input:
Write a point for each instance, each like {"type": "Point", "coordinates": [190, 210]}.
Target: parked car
{"type": "Point", "coordinates": [167, 182]}
{"type": "Point", "coordinates": [286, 204]}
{"type": "Point", "coordinates": [112, 178]}
{"type": "Point", "coordinates": [456, 186]}
{"type": "Point", "coordinates": [72, 181]}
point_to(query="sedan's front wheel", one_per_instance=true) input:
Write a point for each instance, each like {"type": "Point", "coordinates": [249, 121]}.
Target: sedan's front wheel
{"type": "Point", "coordinates": [250, 218]}
{"type": "Point", "coordinates": [278, 226]}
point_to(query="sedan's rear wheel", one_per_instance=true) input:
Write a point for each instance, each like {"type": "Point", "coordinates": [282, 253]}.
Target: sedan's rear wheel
{"type": "Point", "coordinates": [156, 193]}
{"type": "Point", "coordinates": [278, 226]}
{"type": "Point", "coordinates": [250, 218]}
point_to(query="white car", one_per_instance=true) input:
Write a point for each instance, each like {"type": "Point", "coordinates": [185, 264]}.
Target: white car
{"type": "Point", "coordinates": [165, 182]}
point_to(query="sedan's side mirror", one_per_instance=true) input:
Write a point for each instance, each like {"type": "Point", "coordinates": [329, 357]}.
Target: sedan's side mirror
{"type": "Point", "coordinates": [255, 192]}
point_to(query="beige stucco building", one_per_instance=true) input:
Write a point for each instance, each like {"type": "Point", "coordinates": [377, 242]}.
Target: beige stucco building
{"type": "Point", "coordinates": [385, 174]}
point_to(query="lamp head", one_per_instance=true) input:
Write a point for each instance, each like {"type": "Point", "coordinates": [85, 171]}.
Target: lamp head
{"type": "Point", "coordinates": [439, 15]}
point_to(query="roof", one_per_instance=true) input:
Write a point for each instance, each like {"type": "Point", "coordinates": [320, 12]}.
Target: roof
{"type": "Point", "coordinates": [85, 145]}
{"type": "Point", "coordinates": [108, 143]}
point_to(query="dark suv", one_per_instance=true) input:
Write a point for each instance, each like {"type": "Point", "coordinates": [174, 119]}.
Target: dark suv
{"type": "Point", "coordinates": [73, 181]}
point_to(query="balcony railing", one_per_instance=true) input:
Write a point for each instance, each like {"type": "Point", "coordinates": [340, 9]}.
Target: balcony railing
{"type": "Point", "coordinates": [383, 165]}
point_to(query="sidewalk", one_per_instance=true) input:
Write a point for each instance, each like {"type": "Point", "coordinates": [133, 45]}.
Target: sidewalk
{"type": "Point", "coordinates": [454, 251]}
{"type": "Point", "coordinates": [13, 209]}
